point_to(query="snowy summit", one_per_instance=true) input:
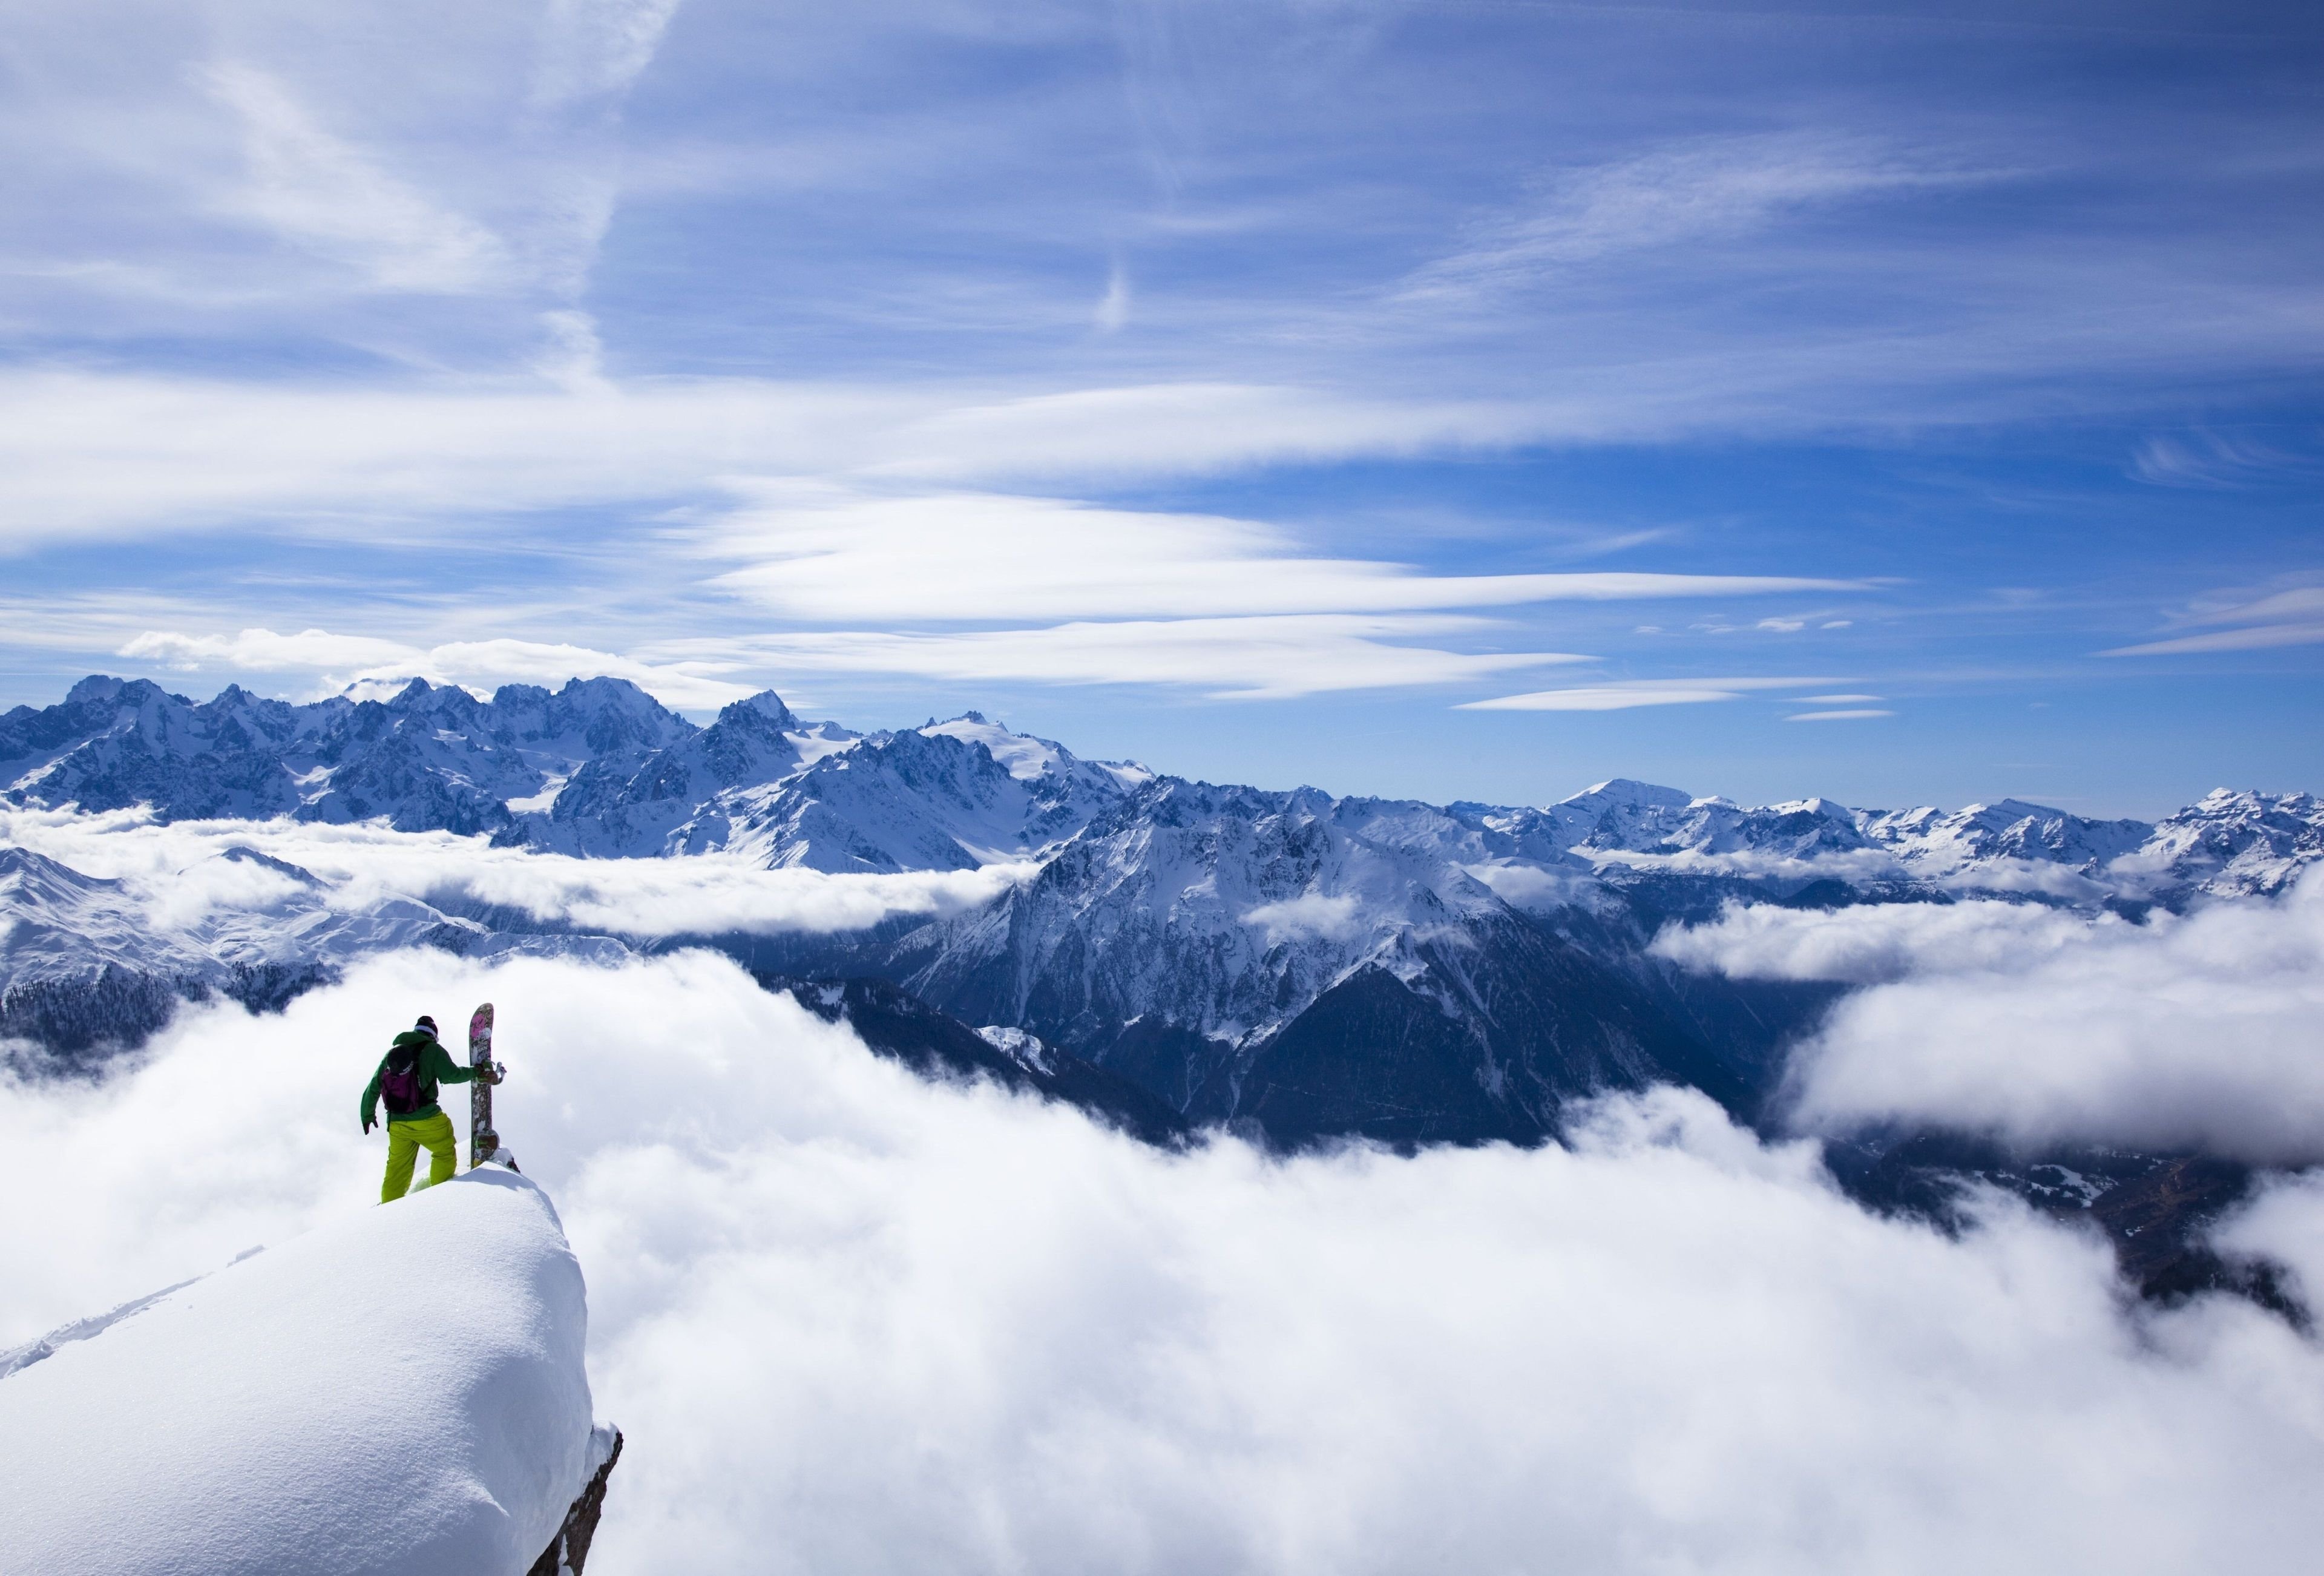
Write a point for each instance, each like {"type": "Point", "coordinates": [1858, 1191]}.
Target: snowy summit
{"type": "Point", "coordinates": [295, 1413]}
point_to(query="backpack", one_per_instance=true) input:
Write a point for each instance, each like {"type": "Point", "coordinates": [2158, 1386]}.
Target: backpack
{"type": "Point", "coordinates": [399, 1082]}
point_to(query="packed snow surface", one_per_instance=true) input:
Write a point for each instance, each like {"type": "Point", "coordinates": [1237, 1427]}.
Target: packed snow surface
{"type": "Point", "coordinates": [400, 1391]}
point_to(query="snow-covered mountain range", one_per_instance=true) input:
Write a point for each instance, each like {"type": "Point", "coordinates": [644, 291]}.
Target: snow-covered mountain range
{"type": "Point", "coordinates": [599, 768]}
{"type": "Point", "coordinates": [1307, 963]}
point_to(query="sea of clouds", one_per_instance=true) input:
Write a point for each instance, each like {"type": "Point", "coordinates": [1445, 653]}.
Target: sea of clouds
{"type": "Point", "coordinates": [179, 870]}
{"type": "Point", "coordinates": [2040, 1026]}
{"type": "Point", "coordinates": [856, 1322]}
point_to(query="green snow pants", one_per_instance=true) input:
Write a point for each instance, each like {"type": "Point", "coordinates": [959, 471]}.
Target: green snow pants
{"type": "Point", "coordinates": [404, 1142]}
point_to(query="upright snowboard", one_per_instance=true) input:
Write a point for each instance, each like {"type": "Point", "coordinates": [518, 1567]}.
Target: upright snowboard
{"type": "Point", "coordinates": [482, 1142]}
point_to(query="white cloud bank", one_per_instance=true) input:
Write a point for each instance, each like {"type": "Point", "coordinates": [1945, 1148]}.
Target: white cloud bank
{"type": "Point", "coordinates": [2040, 1027]}
{"type": "Point", "coordinates": [821, 552]}
{"type": "Point", "coordinates": [338, 662]}
{"type": "Point", "coordinates": [1231, 657]}
{"type": "Point", "coordinates": [176, 868]}
{"type": "Point", "coordinates": [855, 1323]}
{"type": "Point", "coordinates": [1876, 943]}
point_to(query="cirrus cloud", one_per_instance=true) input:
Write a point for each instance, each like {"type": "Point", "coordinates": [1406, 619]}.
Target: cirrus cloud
{"type": "Point", "coordinates": [1639, 692]}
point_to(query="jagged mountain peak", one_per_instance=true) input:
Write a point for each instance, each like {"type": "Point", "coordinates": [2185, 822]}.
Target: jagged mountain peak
{"type": "Point", "coordinates": [2003, 811]}
{"type": "Point", "coordinates": [606, 690]}
{"type": "Point", "coordinates": [428, 756]}
{"type": "Point", "coordinates": [2223, 801]}
{"type": "Point", "coordinates": [23, 865]}
{"type": "Point", "coordinates": [1023, 756]}
{"type": "Point", "coordinates": [2238, 840]}
{"type": "Point", "coordinates": [98, 689]}
{"type": "Point", "coordinates": [764, 706]}
{"type": "Point", "coordinates": [1626, 790]}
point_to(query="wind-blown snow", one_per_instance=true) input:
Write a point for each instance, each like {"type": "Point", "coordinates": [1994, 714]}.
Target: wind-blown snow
{"type": "Point", "coordinates": [401, 1390]}
{"type": "Point", "coordinates": [854, 1322]}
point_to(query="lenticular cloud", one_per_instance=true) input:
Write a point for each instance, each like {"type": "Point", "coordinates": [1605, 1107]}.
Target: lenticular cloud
{"type": "Point", "coordinates": [2038, 1027]}
{"type": "Point", "coordinates": [853, 1322]}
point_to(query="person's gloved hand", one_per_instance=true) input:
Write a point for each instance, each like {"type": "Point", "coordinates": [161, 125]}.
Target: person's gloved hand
{"type": "Point", "coordinates": [368, 1124]}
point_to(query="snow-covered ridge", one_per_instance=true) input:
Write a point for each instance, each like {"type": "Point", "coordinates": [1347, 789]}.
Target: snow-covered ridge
{"type": "Point", "coordinates": [282, 1414]}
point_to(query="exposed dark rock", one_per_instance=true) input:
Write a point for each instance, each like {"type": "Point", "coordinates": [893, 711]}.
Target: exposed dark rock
{"type": "Point", "coordinates": [1372, 1059]}
{"type": "Point", "coordinates": [2158, 1222]}
{"type": "Point", "coordinates": [569, 1549]}
{"type": "Point", "coordinates": [895, 1023]}
{"type": "Point", "coordinates": [2154, 1210]}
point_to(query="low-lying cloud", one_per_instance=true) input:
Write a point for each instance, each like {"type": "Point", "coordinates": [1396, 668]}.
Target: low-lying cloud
{"type": "Point", "coordinates": [853, 1322]}
{"type": "Point", "coordinates": [1877, 943]}
{"type": "Point", "coordinates": [2039, 1027]}
{"type": "Point", "coordinates": [178, 869]}
{"type": "Point", "coordinates": [1334, 916]}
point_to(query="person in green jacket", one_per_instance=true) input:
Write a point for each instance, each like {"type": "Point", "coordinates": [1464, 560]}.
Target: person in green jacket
{"type": "Point", "coordinates": [407, 1077]}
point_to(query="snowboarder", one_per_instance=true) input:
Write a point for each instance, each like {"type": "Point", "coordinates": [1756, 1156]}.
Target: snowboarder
{"type": "Point", "coordinates": [407, 1078]}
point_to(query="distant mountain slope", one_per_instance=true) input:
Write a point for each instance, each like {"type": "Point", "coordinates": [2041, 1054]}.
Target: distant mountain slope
{"type": "Point", "coordinates": [427, 760]}
{"type": "Point", "coordinates": [2228, 842]}
{"type": "Point", "coordinates": [1319, 965]}
{"type": "Point", "coordinates": [88, 967]}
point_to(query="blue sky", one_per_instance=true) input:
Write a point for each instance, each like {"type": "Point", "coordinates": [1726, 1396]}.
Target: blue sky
{"type": "Point", "coordinates": [1910, 404]}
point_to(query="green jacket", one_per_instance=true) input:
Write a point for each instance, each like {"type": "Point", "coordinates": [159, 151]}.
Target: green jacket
{"type": "Point", "coordinates": [436, 1067]}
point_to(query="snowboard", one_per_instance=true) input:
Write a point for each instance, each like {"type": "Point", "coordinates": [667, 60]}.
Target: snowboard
{"type": "Point", "coordinates": [483, 1143]}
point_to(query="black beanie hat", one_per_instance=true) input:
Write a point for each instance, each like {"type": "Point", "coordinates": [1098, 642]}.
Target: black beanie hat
{"type": "Point", "coordinates": [427, 1023]}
